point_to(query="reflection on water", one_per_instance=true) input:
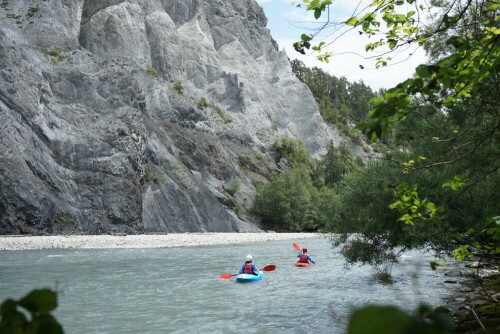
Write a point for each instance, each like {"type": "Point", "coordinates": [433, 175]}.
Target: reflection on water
{"type": "Point", "coordinates": [178, 290]}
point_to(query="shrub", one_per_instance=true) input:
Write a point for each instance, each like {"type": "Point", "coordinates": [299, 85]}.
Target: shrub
{"type": "Point", "coordinates": [153, 72]}
{"type": "Point", "coordinates": [178, 87]}
{"type": "Point", "coordinates": [288, 201]}
{"type": "Point", "coordinates": [233, 187]}
{"type": "Point", "coordinates": [294, 151]}
{"type": "Point", "coordinates": [56, 56]}
{"type": "Point", "coordinates": [202, 102]}
{"type": "Point", "coordinates": [221, 113]}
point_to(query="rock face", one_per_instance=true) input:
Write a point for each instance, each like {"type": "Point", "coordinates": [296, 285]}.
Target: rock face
{"type": "Point", "coordinates": [142, 115]}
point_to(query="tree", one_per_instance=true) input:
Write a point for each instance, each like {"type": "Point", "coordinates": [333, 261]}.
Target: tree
{"type": "Point", "coordinates": [287, 201]}
{"type": "Point", "coordinates": [449, 140]}
{"type": "Point", "coordinates": [336, 163]}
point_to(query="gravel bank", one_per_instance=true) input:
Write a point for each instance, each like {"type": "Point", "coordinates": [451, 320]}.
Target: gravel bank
{"type": "Point", "coordinates": [143, 241]}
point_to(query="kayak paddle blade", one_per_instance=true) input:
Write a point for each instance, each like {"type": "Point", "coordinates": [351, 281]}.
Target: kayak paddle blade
{"type": "Point", "coordinates": [296, 247]}
{"type": "Point", "coordinates": [270, 267]}
{"type": "Point", "coordinates": [226, 276]}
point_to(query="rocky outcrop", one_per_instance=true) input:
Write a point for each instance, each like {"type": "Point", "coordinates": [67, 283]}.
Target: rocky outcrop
{"type": "Point", "coordinates": [142, 115]}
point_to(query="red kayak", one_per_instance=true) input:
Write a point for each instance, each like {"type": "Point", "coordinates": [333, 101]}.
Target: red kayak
{"type": "Point", "coordinates": [302, 264]}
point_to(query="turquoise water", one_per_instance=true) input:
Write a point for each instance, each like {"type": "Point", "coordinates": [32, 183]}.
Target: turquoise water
{"type": "Point", "coordinates": [177, 290]}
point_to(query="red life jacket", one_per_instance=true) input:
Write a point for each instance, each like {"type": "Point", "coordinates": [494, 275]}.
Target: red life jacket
{"type": "Point", "coordinates": [248, 268]}
{"type": "Point", "coordinates": [303, 258]}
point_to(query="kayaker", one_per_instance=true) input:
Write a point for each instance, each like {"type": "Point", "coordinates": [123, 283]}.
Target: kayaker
{"type": "Point", "coordinates": [248, 267]}
{"type": "Point", "coordinates": [303, 257]}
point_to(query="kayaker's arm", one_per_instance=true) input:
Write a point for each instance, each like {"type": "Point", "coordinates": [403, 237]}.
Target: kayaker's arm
{"type": "Point", "coordinates": [255, 269]}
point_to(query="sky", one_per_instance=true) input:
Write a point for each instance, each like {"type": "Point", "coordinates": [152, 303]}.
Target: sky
{"type": "Point", "coordinates": [287, 22]}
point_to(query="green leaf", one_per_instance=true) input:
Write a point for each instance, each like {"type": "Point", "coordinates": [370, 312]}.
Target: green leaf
{"type": "Point", "coordinates": [47, 324]}
{"type": "Point", "coordinates": [431, 206]}
{"type": "Point", "coordinates": [40, 301]}
{"type": "Point", "coordinates": [379, 319]}
{"type": "Point", "coordinates": [352, 21]}
{"type": "Point", "coordinates": [493, 7]}
{"type": "Point", "coordinates": [317, 13]}
{"type": "Point", "coordinates": [7, 307]}
{"type": "Point", "coordinates": [423, 71]}
{"type": "Point", "coordinates": [306, 38]}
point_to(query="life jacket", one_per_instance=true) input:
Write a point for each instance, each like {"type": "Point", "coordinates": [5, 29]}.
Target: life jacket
{"type": "Point", "coordinates": [303, 258]}
{"type": "Point", "coordinates": [248, 268]}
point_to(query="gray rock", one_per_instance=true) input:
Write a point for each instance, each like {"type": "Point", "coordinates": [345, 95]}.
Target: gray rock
{"type": "Point", "coordinates": [474, 264]}
{"type": "Point", "coordinates": [453, 273]}
{"type": "Point", "coordinates": [95, 140]}
{"type": "Point", "coordinates": [477, 302]}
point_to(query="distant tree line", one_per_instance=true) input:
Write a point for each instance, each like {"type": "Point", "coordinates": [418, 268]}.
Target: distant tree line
{"type": "Point", "coordinates": [341, 103]}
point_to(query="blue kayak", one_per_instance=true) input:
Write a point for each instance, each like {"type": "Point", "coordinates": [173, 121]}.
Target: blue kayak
{"type": "Point", "coordinates": [249, 277]}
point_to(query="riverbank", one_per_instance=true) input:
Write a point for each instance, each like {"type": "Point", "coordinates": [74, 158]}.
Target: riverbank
{"type": "Point", "coordinates": [477, 308]}
{"type": "Point", "coordinates": [143, 240]}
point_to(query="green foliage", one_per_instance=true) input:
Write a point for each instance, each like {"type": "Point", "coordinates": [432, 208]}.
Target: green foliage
{"type": "Point", "coordinates": [359, 250]}
{"type": "Point", "coordinates": [384, 276]}
{"type": "Point", "coordinates": [450, 113]}
{"type": "Point", "coordinates": [56, 56]}
{"type": "Point", "coordinates": [452, 79]}
{"type": "Point", "coordinates": [234, 186]}
{"type": "Point", "coordinates": [151, 70]}
{"type": "Point", "coordinates": [287, 201]}
{"type": "Point", "coordinates": [32, 11]}
{"type": "Point", "coordinates": [202, 102]}
{"type": "Point", "coordinates": [457, 182]}
{"type": "Point", "coordinates": [338, 162]}
{"type": "Point", "coordinates": [374, 319]}
{"type": "Point", "coordinates": [341, 103]}
{"type": "Point", "coordinates": [294, 151]}
{"type": "Point", "coordinates": [178, 87]}
{"type": "Point", "coordinates": [152, 174]}
{"type": "Point", "coordinates": [221, 113]}
{"type": "Point", "coordinates": [13, 16]}
{"type": "Point", "coordinates": [302, 198]}
{"type": "Point", "coordinates": [486, 242]}
{"type": "Point", "coordinates": [362, 205]}
{"type": "Point", "coordinates": [412, 208]}
{"type": "Point", "coordinates": [61, 222]}
{"type": "Point", "coordinates": [30, 314]}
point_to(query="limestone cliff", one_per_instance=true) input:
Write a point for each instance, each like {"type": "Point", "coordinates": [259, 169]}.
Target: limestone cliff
{"type": "Point", "coordinates": [142, 115]}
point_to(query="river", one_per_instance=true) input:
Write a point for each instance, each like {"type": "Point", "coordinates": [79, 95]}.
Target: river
{"type": "Point", "coordinates": [177, 290]}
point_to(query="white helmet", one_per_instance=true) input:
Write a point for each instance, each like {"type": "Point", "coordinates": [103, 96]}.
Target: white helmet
{"type": "Point", "coordinates": [249, 258]}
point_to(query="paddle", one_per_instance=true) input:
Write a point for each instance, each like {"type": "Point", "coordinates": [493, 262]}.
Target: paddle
{"type": "Point", "coordinates": [270, 267]}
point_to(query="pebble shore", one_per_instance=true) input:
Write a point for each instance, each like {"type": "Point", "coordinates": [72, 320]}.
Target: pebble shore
{"type": "Point", "coordinates": [143, 241]}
